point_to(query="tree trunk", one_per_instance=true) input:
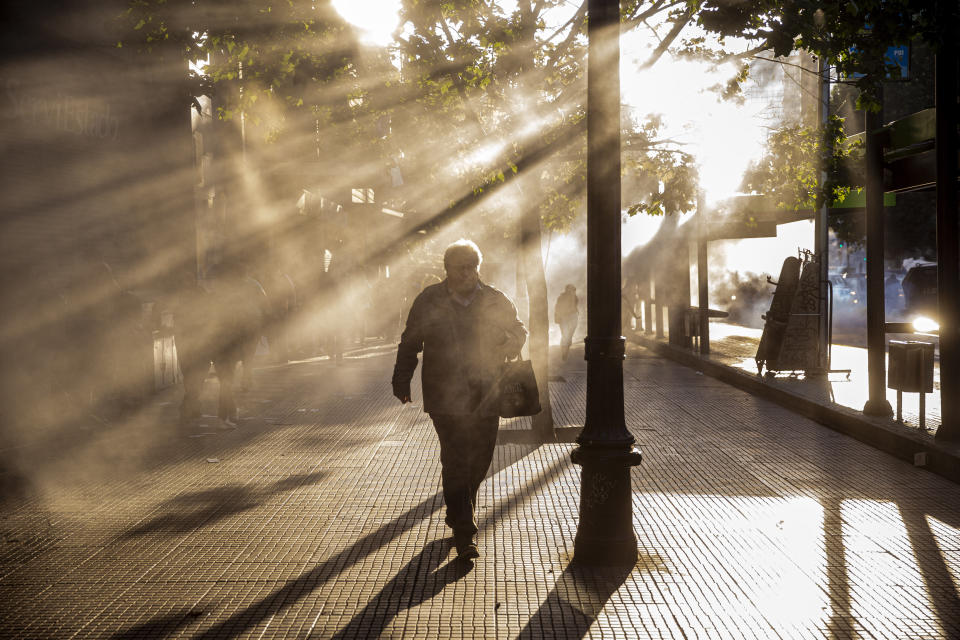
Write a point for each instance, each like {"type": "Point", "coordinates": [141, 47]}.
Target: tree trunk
{"type": "Point", "coordinates": [539, 323]}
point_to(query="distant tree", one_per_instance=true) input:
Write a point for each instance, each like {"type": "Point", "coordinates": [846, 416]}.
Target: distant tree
{"type": "Point", "coordinates": [659, 177]}
{"type": "Point", "coordinates": [851, 37]}
{"type": "Point", "coordinates": [296, 101]}
{"type": "Point", "coordinates": [789, 170]}
{"type": "Point", "coordinates": [263, 59]}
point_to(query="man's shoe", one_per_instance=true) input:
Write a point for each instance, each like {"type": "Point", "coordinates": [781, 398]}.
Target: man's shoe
{"type": "Point", "coordinates": [466, 547]}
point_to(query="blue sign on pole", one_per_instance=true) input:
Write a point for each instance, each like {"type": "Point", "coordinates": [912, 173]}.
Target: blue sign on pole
{"type": "Point", "coordinates": [897, 56]}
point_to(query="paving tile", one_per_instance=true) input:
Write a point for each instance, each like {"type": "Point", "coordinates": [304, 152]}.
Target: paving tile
{"type": "Point", "coordinates": [323, 518]}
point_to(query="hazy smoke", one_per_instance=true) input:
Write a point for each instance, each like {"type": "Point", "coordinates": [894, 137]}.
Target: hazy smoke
{"type": "Point", "coordinates": [745, 296]}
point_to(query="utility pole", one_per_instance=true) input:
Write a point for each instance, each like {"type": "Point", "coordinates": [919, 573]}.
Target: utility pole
{"type": "Point", "coordinates": [605, 530]}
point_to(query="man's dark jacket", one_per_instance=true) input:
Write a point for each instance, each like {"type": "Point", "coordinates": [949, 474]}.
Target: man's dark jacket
{"type": "Point", "coordinates": [463, 349]}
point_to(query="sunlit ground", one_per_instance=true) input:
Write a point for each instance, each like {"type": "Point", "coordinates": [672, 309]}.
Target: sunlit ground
{"type": "Point", "coordinates": [739, 344]}
{"type": "Point", "coordinates": [828, 580]}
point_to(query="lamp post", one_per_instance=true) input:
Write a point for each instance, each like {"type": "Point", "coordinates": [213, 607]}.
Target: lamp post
{"type": "Point", "coordinates": [605, 448]}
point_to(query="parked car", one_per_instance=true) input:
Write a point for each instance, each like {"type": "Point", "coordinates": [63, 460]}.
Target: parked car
{"type": "Point", "coordinates": [920, 290]}
{"type": "Point", "coordinates": [844, 292]}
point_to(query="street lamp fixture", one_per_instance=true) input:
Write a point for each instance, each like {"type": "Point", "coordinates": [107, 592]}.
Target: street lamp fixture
{"type": "Point", "coordinates": [605, 449]}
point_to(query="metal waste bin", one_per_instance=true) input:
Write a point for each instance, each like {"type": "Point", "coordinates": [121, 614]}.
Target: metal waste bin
{"type": "Point", "coordinates": [165, 366]}
{"type": "Point", "coordinates": [911, 370]}
{"type": "Point", "coordinates": [911, 366]}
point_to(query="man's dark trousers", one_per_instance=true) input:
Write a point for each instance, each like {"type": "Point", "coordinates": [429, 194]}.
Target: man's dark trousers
{"type": "Point", "coordinates": [467, 443]}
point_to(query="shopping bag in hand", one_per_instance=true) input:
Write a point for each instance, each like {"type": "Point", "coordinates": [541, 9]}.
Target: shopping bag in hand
{"type": "Point", "coordinates": [518, 390]}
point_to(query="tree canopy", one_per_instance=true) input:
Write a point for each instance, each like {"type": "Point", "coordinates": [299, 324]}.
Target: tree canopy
{"type": "Point", "coordinates": [262, 58]}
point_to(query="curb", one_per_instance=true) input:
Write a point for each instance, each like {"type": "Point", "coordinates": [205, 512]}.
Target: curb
{"type": "Point", "coordinates": [920, 450]}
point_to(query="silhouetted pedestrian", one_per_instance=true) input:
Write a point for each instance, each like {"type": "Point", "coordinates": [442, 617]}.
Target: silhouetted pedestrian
{"type": "Point", "coordinates": [566, 313]}
{"type": "Point", "coordinates": [221, 326]}
{"type": "Point", "coordinates": [466, 330]}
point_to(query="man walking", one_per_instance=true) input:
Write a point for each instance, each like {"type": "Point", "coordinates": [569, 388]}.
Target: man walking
{"type": "Point", "coordinates": [566, 314]}
{"type": "Point", "coordinates": [466, 330]}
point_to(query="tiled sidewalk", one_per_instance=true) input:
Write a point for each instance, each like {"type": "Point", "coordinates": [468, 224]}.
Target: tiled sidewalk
{"type": "Point", "coordinates": [835, 400]}
{"type": "Point", "coordinates": [321, 517]}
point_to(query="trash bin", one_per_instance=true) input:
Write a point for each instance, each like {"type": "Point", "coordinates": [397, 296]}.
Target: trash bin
{"type": "Point", "coordinates": [165, 366]}
{"type": "Point", "coordinates": [911, 366]}
{"type": "Point", "coordinates": [911, 370]}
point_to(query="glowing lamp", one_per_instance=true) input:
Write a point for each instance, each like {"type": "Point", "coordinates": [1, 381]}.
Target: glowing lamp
{"type": "Point", "coordinates": [925, 325]}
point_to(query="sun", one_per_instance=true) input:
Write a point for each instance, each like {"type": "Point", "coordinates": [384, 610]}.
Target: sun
{"type": "Point", "coordinates": [376, 19]}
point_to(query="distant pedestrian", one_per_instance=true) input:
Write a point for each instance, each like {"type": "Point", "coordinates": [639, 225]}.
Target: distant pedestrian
{"type": "Point", "coordinates": [466, 330]}
{"type": "Point", "coordinates": [221, 326]}
{"type": "Point", "coordinates": [891, 292]}
{"type": "Point", "coordinates": [566, 314]}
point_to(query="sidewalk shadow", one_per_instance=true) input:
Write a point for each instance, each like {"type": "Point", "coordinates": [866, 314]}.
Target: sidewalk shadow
{"type": "Point", "coordinates": [452, 571]}
{"type": "Point", "coordinates": [300, 587]}
{"type": "Point", "coordinates": [931, 565]}
{"type": "Point", "coordinates": [936, 574]}
{"type": "Point", "coordinates": [842, 621]}
{"type": "Point", "coordinates": [933, 569]}
{"type": "Point", "coordinates": [187, 512]}
{"type": "Point", "coordinates": [159, 627]}
{"type": "Point", "coordinates": [327, 570]}
{"type": "Point", "coordinates": [846, 595]}
{"type": "Point", "coordinates": [576, 600]}
{"type": "Point", "coordinates": [419, 581]}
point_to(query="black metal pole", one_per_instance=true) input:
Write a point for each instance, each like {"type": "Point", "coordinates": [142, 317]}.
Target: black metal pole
{"type": "Point", "coordinates": [948, 233]}
{"type": "Point", "coordinates": [605, 530]}
{"type": "Point", "coordinates": [877, 403]}
{"type": "Point", "coordinates": [703, 286]}
{"type": "Point", "coordinates": [682, 306]}
{"type": "Point", "coordinates": [821, 242]}
{"type": "Point", "coordinates": [659, 296]}
{"type": "Point", "coordinates": [648, 304]}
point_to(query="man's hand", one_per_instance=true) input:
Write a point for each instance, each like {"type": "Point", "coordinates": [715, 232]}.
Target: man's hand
{"type": "Point", "coordinates": [402, 392]}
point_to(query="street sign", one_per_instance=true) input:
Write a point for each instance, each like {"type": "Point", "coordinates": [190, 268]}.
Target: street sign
{"type": "Point", "coordinates": [896, 56]}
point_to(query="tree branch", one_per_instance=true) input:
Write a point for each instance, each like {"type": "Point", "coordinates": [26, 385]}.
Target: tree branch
{"type": "Point", "coordinates": [682, 21]}
{"type": "Point", "coordinates": [655, 8]}
{"type": "Point", "coordinates": [458, 83]}
{"type": "Point", "coordinates": [787, 64]}
{"type": "Point", "coordinates": [749, 53]}
{"type": "Point", "coordinates": [563, 46]}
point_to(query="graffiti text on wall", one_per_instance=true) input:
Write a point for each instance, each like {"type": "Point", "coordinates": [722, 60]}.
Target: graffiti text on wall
{"type": "Point", "coordinates": [64, 113]}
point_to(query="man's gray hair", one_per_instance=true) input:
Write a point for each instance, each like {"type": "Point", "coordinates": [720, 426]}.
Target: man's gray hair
{"type": "Point", "coordinates": [462, 246]}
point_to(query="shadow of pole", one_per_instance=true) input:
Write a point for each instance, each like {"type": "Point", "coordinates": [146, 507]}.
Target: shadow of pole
{"type": "Point", "coordinates": [937, 578]}
{"type": "Point", "coordinates": [930, 563]}
{"type": "Point", "coordinates": [842, 623]}
{"type": "Point", "coordinates": [576, 600]}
